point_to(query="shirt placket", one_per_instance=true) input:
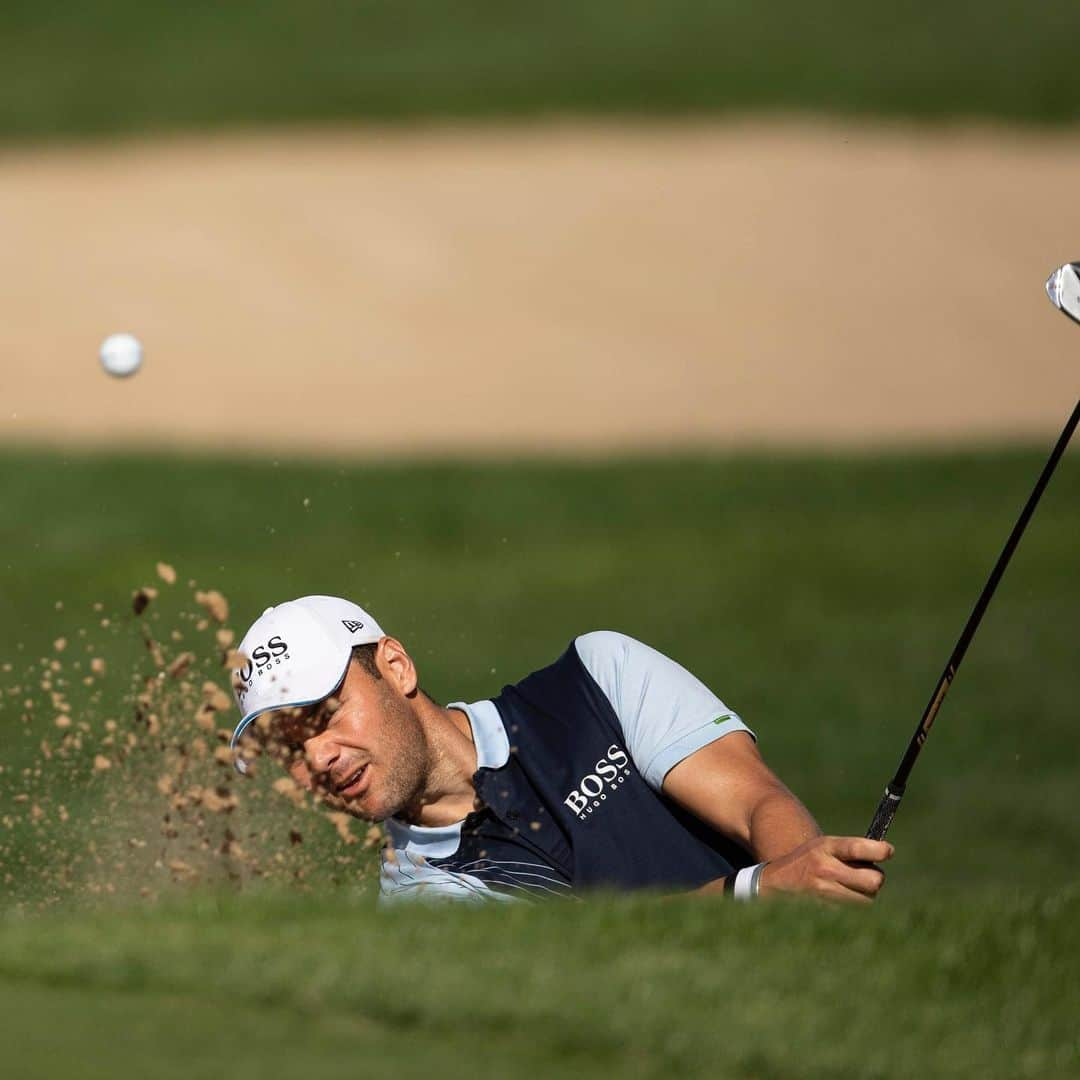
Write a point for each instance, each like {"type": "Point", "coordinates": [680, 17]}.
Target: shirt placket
{"type": "Point", "coordinates": [531, 825]}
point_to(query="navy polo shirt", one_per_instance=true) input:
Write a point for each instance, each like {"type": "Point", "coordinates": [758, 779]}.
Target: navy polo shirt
{"type": "Point", "coordinates": [570, 768]}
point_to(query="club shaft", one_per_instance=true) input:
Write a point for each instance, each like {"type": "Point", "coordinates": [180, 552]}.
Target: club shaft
{"type": "Point", "coordinates": [890, 801]}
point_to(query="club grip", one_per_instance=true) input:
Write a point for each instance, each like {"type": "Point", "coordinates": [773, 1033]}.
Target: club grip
{"type": "Point", "coordinates": [884, 814]}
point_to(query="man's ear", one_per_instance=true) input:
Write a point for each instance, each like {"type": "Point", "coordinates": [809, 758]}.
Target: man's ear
{"type": "Point", "coordinates": [396, 665]}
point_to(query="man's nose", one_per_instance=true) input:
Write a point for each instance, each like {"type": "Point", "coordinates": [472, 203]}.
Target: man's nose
{"type": "Point", "coordinates": [320, 753]}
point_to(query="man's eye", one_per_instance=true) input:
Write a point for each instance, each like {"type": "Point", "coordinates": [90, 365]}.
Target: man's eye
{"type": "Point", "coordinates": [280, 750]}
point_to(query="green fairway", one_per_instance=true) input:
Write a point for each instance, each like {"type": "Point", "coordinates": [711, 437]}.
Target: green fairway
{"type": "Point", "coordinates": [258, 987]}
{"type": "Point", "coordinates": [123, 66]}
{"type": "Point", "coordinates": [819, 596]}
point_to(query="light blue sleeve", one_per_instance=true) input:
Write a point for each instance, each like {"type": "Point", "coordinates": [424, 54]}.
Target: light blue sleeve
{"type": "Point", "coordinates": [665, 712]}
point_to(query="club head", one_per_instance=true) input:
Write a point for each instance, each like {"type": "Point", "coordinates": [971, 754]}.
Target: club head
{"type": "Point", "coordinates": [1063, 288]}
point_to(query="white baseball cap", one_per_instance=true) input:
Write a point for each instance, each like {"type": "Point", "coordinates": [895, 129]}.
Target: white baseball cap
{"type": "Point", "coordinates": [297, 654]}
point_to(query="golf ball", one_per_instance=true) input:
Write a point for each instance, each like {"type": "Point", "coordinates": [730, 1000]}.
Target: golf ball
{"type": "Point", "coordinates": [121, 354]}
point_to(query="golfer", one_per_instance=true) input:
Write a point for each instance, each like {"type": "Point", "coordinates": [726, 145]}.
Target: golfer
{"type": "Point", "coordinates": [612, 768]}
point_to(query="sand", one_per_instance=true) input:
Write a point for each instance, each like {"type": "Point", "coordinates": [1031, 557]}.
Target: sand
{"type": "Point", "coordinates": [558, 287]}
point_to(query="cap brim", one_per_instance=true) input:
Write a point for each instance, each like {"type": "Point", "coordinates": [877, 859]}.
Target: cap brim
{"type": "Point", "coordinates": [247, 721]}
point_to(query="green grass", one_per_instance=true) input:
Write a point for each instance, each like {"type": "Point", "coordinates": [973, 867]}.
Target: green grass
{"type": "Point", "coordinates": [248, 988]}
{"type": "Point", "coordinates": [124, 66]}
{"type": "Point", "coordinates": [819, 596]}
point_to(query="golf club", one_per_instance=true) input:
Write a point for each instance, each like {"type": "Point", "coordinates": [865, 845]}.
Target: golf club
{"type": "Point", "coordinates": [1063, 288]}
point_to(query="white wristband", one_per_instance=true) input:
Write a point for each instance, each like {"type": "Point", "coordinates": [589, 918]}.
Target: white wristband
{"type": "Point", "coordinates": [746, 882]}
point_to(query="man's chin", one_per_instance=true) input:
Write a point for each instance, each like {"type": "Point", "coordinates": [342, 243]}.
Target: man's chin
{"type": "Point", "coordinates": [354, 809]}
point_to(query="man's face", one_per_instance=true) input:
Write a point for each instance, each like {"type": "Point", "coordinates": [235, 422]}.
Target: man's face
{"type": "Point", "coordinates": [363, 752]}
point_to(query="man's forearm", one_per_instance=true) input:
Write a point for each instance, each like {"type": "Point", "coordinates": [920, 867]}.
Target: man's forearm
{"type": "Point", "coordinates": [730, 788]}
{"type": "Point", "coordinates": [779, 823]}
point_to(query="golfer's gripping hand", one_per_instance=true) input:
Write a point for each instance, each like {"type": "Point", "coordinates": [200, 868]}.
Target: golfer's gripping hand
{"type": "Point", "coordinates": [834, 868]}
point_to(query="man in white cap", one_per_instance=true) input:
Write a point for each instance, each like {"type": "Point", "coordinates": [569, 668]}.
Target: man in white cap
{"type": "Point", "coordinates": [612, 768]}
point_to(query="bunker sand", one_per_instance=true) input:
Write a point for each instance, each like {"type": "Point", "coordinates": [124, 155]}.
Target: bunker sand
{"type": "Point", "coordinates": [554, 288]}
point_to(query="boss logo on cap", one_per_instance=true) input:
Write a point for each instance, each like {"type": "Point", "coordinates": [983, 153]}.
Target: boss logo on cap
{"type": "Point", "coordinates": [352, 626]}
{"type": "Point", "coordinates": [263, 657]}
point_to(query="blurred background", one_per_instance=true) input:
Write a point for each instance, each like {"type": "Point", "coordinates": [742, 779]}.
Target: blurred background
{"type": "Point", "coordinates": [722, 325]}
{"type": "Point", "coordinates": [381, 227]}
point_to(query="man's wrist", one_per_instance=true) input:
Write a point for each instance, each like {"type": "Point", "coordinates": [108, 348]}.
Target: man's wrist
{"type": "Point", "coordinates": [747, 882]}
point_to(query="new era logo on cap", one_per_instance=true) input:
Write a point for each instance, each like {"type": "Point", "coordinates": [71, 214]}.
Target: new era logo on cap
{"type": "Point", "coordinates": [351, 625]}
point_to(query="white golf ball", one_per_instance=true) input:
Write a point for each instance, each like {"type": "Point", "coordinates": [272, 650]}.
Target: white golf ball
{"type": "Point", "coordinates": [121, 354]}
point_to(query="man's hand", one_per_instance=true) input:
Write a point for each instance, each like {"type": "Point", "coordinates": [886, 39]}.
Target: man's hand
{"type": "Point", "coordinates": [834, 868]}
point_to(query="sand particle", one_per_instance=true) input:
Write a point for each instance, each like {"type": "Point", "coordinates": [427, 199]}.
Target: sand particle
{"type": "Point", "coordinates": [141, 598]}
{"type": "Point", "coordinates": [341, 823]}
{"type": "Point", "coordinates": [215, 697]}
{"type": "Point", "coordinates": [286, 786]}
{"type": "Point", "coordinates": [215, 605]}
{"type": "Point", "coordinates": [180, 664]}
